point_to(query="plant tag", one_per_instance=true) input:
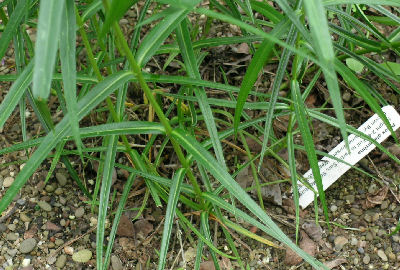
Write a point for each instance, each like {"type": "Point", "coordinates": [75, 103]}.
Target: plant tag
{"type": "Point", "coordinates": [331, 169]}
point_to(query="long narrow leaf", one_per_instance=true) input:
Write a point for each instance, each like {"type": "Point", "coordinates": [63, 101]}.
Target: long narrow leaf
{"type": "Point", "coordinates": [109, 161]}
{"type": "Point", "coordinates": [259, 59]}
{"type": "Point", "coordinates": [15, 93]}
{"type": "Point", "coordinates": [117, 217]}
{"type": "Point", "coordinates": [12, 26]}
{"type": "Point", "coordinates": [68, 67]}
{"type": "Point", "coordinates": [324, 48]}
{"type": "Point", "coordinates": [154, 39]}
{"type": "Point", "coordinates": [308, 143]}
{"type": "Point", "coordinates": [366, 2]}
{"type": "Point", "coordinates": [363, 91]}
{"type": "Point", "coordinates": [49, 23]}
{"type": "Point", "coordinates": [276, 86]}
{"type": "Point", "coordinates": [193, 71]}
{"type": "Point", "coordinates": [170, 215]}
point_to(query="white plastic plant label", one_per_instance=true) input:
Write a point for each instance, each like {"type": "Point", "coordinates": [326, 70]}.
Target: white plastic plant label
{"type": "Point", "coordinates": [331, 169]}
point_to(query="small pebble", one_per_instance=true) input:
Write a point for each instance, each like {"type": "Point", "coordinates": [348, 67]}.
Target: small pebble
{"type": "Point", "coordinates": [61, 260]}
{"type": "Point", "coordinates": [63, 222]}
{"type": "Point", "coordinates": [50, 188]}
{"type": "Point", "coordinates": [384, 205]}
{"type": "Point", "coordinates": [124, 21]}
{"type": "Point", "coordinates": [116, 263]}
{"type": "Point", "coordinates": [82, 256]}
{"type": "Point", "coordinates": [339, 242]}
{"type": "Point", "coordinates": [372, 188]}
{"type": "Point", "coordinates": [131, 13]}
{"type": "Point", "coordinates": [331, 238]}
{"type": "Point", "coordinates": [366, 259]}
{"type": "Point", "coordinates": [79, 212]}
{"type": "Point", "coordinates": [368, 218]}
{"type": "Point", "coordinates": [12, 236]}
{"type": "Point", "coordinates": [59, 242]}
{"type": "Point", "coordinates": [7, 182]}
{"type": "Point", "coordinates": [396, 238]}
{"type": "Point", "coordinates": [51, 260]}
{"type": "Point", "coordinates": [354, 241]}
{"type": "Point", "coordinates": [12, 252]}
{"type": "Point", "coordinates": [334, 208]}
{"type": "Point", "coordinates": [24, 217]}
{"type": "Point", "coordinates": [3, 227]}
{"type": "Point", "coordinates": [26, 262]}
{"type": "Point", "coordinates": [69, 250]}
{"type": "Point", "coordinates": [27, 245]}
{"type": "Point", "coordinates": [62, 200]}
{"type": "Point", "coordinates": [61, 178]}
{"type": "Point", "coordinates": [349, 198]}
{"type": "Point", "coordinates": [21, 202]}
{"type": "Point", "coordinates": [59, 191]}
{"type": "Point", "coordinates": [382, 255]}
{"type": "Point", "coordinates": [360, 250]}
{"type": "Point", "coordinates": [44, 206]}
{"type": "Point", "coordinates": [356, 211]}
{"type": "Point", "coordinates": [12, 227]}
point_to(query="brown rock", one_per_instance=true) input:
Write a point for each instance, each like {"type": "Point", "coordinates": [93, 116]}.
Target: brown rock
{"type": "Point", "coordinates": [125, 227]}
{"type": "Point", "coordinates": [52, 227]}
{"type": "Point", "coordinates": [143, 228]}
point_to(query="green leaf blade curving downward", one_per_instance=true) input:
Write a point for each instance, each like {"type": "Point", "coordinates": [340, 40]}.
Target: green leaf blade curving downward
{"type": "Point", "coordinates": [85, 105]}
{"type": "Point", "coordinates": [154, 39]}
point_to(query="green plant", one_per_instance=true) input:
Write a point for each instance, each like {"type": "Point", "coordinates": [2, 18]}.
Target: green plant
{"type": "Point", "coordinates": [301, 35]}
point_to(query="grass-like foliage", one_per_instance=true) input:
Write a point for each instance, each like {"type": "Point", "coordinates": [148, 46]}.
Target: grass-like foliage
{"type": "Point", "coordinates": [84, 60]}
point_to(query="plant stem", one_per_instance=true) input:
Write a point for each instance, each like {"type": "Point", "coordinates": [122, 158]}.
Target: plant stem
{"type": "Point", "coordinates": [124, 49]}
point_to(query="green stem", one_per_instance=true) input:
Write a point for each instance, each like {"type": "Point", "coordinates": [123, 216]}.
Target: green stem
{"type": "Point", "coordinates": [124, 49]}
{"type": "Point", "coordinates": [96, 70]}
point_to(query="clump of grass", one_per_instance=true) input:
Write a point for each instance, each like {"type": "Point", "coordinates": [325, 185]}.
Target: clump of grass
{"type": "Point", "coordinates": [309, 38]}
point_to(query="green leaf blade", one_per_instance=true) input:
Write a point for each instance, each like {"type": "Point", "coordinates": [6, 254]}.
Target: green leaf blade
{"type": "Point", "coordinates": [49, 23]}
{"type": "Point", "coordinates": [173, 198]}
{"type": "Point", "coordinates": [15, 93]}
{"type": "Point", "coordinates": [68, 67]}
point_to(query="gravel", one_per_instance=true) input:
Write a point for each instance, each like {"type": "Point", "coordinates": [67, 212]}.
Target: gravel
{"type": "Point", "coordinates": [61, 261]}
{"type": "Point", "coordinates": [79, 212]}
{"type": "Point", "coordinates": [7, 182]}
{"type": "Point", "coordinates": [27, 245]}
{"type": "Point", "coordinates": [116, 263]}
{"type": "Point", "coordinates": [44, 206]}
{"type": "Point", "coordinates": [61, 178]}
{"type": "Point", "coordinates": [366, 259]}
{"type": "Point", "coordinates": [382, 255]}
{"type": "Point", "coordinates": [82, 256]}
